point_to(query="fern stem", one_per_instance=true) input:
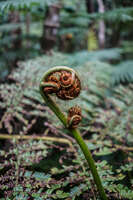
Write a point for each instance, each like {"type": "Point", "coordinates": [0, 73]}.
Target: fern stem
{"type": "Point", "coordinates": [53, 106]}
{"type": "Point", "coordinates": [76, 133]}
{"type": "Point", "coordinates": [90, 161]}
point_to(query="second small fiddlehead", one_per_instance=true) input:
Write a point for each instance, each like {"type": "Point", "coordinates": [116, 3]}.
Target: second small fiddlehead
{"type": "Point", "coordinates": [74, 116]}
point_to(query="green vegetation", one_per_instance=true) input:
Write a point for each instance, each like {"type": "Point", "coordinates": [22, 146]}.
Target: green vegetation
{"type": "Point", "coordinates": [39, 158]}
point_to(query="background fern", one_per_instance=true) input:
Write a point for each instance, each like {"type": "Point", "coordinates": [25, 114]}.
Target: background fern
{"type": "Point", "coordinates": [21, 3]}
{"type": "Point", "coordinates": [123, 73]}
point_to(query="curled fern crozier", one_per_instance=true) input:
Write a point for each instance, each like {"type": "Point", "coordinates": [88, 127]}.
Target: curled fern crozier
{"type": "Point", "coordinates": [62, 81]}
{"type": "Point", "coordinates": [74, 116]}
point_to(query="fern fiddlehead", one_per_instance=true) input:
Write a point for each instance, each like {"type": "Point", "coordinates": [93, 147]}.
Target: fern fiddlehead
{"type": "Point", "coordinates": [74, 116]}
{"type": "Point", "coordinates": [62, 81]}
{"type": "Point", "coordinates": [65, 83]}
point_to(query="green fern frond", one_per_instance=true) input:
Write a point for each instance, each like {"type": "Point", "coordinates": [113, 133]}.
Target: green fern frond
{"type": "Point", "coordinates": [123, 73]}
{"type": "Point", "coordinates": [22, 3]}
{"type": "Point", "coordinates": [119, 14]}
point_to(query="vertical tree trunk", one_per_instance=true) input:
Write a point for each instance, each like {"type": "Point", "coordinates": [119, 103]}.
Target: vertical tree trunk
{"type": "Point", "coordinates": [28, 17]}
{"type": "Point", "coordinates": [51, 25]}
{"type": "Point", "coordinates": [101, 33]}
{"type": "Point", "coordinates": [14, 18]}
{"type": "Point", "coordinates": [90, 6]}
{"type": "Point", "coordinates": [15, 34]}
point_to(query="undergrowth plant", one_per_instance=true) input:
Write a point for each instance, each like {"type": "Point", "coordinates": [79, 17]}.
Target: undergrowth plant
{"type": "Point", "coordinates": [65, 83]}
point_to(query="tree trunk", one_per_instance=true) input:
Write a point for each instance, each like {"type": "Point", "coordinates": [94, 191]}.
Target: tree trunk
{"type": "Point", "coordinates": [16, 44]}
{"type": "Point", "coordinates": [14, 18]}
{"type": "Point", "coordinates": [51, 26]}
{"type": "Point", "coordinates": [101, 32]}
{"type": "Point", "coordinates": [90, 6]}
{"type": "Point", "coordinates": [28, 18]}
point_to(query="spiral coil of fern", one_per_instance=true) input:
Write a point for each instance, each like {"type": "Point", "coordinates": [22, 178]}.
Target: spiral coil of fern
{"type": "Point", "coordinates": [65, 84]}
{"type": "Point", "coordinates": [74, 116]}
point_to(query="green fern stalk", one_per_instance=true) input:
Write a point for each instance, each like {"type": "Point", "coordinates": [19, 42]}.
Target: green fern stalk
{"type": "Point", "coordinates": [45, 90]}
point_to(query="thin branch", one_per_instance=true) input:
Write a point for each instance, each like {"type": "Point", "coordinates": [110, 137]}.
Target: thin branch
{"type": "Point", "coordinates": [29, 137]}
